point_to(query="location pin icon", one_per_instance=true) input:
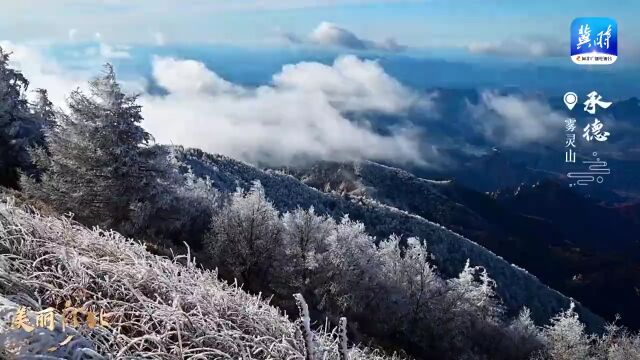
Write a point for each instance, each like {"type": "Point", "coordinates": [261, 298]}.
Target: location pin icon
{"type": "Point", "coordinates": [570, 99]}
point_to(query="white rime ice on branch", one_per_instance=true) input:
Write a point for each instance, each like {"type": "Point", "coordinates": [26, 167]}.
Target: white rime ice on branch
{"type": "Point", "coordinates": [160, 308]}
{"type": "Point", "coordinates": [344, 349]}
{"type": "Point", "coordinates": [390, 288]}
{"type": "Point", "coordinates": [305, 319]}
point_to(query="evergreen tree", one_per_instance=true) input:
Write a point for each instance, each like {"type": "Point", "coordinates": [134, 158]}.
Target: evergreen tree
{"type": "Point", "coordinates": [16, 124]}
{"type": "Point", "coordinates": [99, 164]}
{"type": "Point", "coordinates": [43, 111]}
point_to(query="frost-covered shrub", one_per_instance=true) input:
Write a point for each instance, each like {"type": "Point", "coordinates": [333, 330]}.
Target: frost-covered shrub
{"type": "Point", "coordinates": [305, 237]}
{"type": "Point", "coordinates": [349, 270]}
{"type": "Point", "coordinates": [565, 337]}
{"type": "Point", "coordinates": [390, 291]}
{"type": "Point", "coordinates": [524, 335]}
{"type": "Point", "coordinates": [158, 308]}
{"type": "Point", "coordinates": [617, 344]}
{"type": "Point", "coordinates": [246, 238]}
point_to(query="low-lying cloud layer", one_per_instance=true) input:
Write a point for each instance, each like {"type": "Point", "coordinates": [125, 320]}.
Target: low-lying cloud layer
{"type": "Point", "coordinates": [301, 116]}
{"type": "Point", "coordinates": [309, 111]}
{"type": "Point", "coordinates": [535, 48]}
{"type": "Point", "coordinates": [43, 72]}
{"type": "Point", "coordinates": [331, 35]}
{"type": "Point", "coordinates": [514, 121]}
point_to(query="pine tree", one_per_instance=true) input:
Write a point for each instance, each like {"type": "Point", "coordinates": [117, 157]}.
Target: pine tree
{"type": "Point", "coordinates": [16, 124]}
{"type": "Point", "coordinates": [43, 111]}
{"type": "Point", "coordinates": [100, 166]}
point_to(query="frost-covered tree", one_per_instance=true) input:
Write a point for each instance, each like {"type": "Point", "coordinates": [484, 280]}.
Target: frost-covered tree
{"type": "Point", "coordinates": [474, 291]}
{"type": "Point", "coordinates": [565, 337]}
{"type": "Point", "coordinates": [43, 110]}
{"type": "Point", "coordinates": [350, 269]}
{"type": "Point", "coordinates": [246, 238]}
{"type": "Point", "coordinates": [471, 311]}
{"type": "Point", "coordinates": [18, 131]}
{"type": "Point", "coordinates": [617, 343]}
{"type": "Point", "coordinates": [101, 166]}
{"type": "Point", "coordinates": [304, 240]}
{"type": "Point", "coordinates": [417, 286]}
{"type": "Point", "coordinates": [523, 335]}
{"type": "Point", "coordinates": [195, 203]}
{"type": "Point", "coordinates": [174, 206]}
{"type": "Point", "coordinates": [390, 292]}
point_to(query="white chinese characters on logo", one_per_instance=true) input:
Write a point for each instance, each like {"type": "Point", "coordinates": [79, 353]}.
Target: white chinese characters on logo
{"type": "Point", "coordinates": [584, 36]}
{"type": "Point", "coordinates": [603, 37]}
{"type": "Point", "coordinates": [594, 99]}
{"type": "Point", "coordinates": [594, 131]}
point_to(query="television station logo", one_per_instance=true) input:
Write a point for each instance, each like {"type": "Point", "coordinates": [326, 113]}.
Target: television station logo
{"type": "Point", "coordinates": [594, 41]}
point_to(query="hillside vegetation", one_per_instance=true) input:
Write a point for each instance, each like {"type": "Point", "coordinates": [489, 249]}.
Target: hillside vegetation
{"type": "Point", "coordinates": [158, 308]}
{"type": "Point", "coordinates": [515, 286]}
{"type": "Point", "coordinates": [266, 244]}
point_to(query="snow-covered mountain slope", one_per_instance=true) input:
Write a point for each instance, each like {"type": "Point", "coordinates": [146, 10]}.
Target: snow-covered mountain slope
{"type": "Point", "coordinates": [430, 199]}
{"type": "Point", "coordinates": [516, 286]}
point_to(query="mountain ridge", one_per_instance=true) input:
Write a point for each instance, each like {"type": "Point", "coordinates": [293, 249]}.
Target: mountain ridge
{"type": "Point", "coordinates": [514, 225]}
{"type": "Point", "coordinates": [516, 286]}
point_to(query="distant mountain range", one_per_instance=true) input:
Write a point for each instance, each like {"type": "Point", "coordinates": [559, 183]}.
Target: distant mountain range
{"type": "Point", "coordinates": [463, 154]}
{"type": "Point", "coordinates": [494, 205]}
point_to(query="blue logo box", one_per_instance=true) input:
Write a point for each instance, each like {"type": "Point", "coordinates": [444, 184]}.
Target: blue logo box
{"type": "Point", "coordinates": [594, 41]}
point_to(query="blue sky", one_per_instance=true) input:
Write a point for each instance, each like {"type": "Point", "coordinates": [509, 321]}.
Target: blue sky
{"type": "Point", "coordinates": [426, 23]}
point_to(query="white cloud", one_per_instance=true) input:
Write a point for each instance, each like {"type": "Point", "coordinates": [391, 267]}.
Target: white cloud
{"type": "Point", "coordinates": [113, 52]}
{"type": "Point", "coordinates": [299, 117]}
{"type": "Point", "coordinates": [43, 72]}
{"type": "Point", "coordinates": [350, 84]}
{"type": "Point", "coordinates": [72, 34]}
{"type": "Point", "coordinates": [529, 47]}
{"type": "Point", "coordinates": [332, 35]}
{"type": "Point", "coordinates": [107, 51]}
{"type": "Point", "coordinates": [513, 120]}
{"type": "Point", "coordinates": [189, 77]}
